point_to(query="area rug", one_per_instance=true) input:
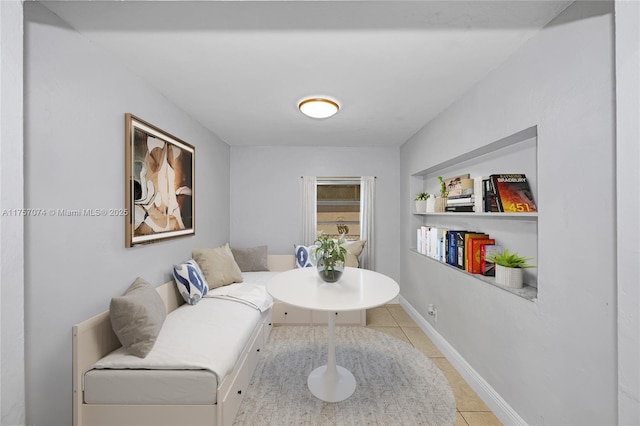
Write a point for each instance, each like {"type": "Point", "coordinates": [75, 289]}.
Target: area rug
{"type": "Point", "coordinates": [396, 383]}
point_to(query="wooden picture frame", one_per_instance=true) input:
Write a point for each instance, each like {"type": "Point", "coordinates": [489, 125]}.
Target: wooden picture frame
{"type": "Point", "coordinates": [160, 184]}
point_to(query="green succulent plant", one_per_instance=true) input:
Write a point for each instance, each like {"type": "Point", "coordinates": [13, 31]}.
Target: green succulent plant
{"type": "Point", "coordinates": [510, 260]}
{"type": "Point", "coordinates": [421, 196]}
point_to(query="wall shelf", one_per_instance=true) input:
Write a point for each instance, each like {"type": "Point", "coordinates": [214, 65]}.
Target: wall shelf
{"type": "Point", "coordinates": [516, 153]}
{"type": "Point", "coordinates": [527, 292]}
{"type": "Point", "coordinates": [503, 216]}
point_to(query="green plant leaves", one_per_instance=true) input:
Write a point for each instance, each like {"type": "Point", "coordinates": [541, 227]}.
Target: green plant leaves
{"type": "Point", "coordinates": [511, 260]}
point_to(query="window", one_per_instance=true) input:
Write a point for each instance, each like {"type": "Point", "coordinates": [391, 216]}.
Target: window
{"type": "Point", "coordinates": [338, 208]}
{"type": "Point", "coordinates": [340, 205]}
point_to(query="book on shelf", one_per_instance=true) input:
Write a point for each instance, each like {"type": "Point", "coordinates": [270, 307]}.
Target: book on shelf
{"type": "Point", "coordinates": [513, 193]}
{"type": "Point", "coordinates": [475, 253]}
{"type": "Point", "coordinates": [430, 242]}
{"type": "Point", "coordinates": [424, 239]}
{"type": "Point", "coordinates": [468, 199]}
{"type": "Point", "coordinates": [438, 248]}
{"type": "Point", "coordinates": [453, 185]}
{"type": "Point", "coordinates": [478, 194]}
{"type": "Point", "coordinates": [444, 248]}
{"type": "Point", "coordinates": [461, 241]}
{"type": "Point", "coordinates": [463, 208]}
{"type": "Point", "coordinates": [487, 267]}
{"type": "Point", "coordinates": [432, 251]}
{"type": "Point", "coordinates": [466, 193]}
{"type": "Point", "coordinates": [452, 251]}
{"type": "Point", "coordinates": [489, 196]}
{"type": "Point", "coordinates": [466, 248]}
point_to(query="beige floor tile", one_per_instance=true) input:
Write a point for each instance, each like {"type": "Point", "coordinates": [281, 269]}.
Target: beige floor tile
{"type": "Point", "coordinates": [421, 342]}
{"type": "Point", "coordinates": [472, 411]}
{"type": "Point", "coordinates": [380, 317]}
{"type": "Point", "coordinates": [466, 398]}
{"type": "Point", "coordinates": [401, 316]}
{"type": "Point", "coordinates": [460, 421]}
{"type": "Point", "coordinates": [480, 418]}
{"type": "Point", "coordinates": [392, 331]}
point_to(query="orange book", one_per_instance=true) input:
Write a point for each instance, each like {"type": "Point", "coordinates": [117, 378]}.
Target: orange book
{"type": "Point", "coordinates": [475, 252]}
{"type": "Point", "coordinates": [467, 247]}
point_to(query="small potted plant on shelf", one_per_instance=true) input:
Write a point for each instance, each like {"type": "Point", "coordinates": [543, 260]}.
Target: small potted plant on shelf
{"type": "Point", "coordinates": [441, 201]}
{"type": "Point", "coordinates": [330, 254]}
{"type": "Point", "coordinates": [509, 268]}
{"type": "Point", "coordinates": [421, 201]}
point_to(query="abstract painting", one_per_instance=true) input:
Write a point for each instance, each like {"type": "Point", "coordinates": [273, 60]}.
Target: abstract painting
{"type": "Point", "coordinates": [160, 179]}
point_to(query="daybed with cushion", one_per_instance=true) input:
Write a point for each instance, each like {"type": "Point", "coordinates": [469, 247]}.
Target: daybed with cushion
{"type": "Point", "coordinates": [193, 373]}
{"type": "Point", "coordinates": [200, 358]}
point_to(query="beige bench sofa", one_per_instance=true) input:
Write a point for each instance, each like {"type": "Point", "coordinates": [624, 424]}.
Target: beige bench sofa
{"type": "Point", "coordinates": [94, 339]}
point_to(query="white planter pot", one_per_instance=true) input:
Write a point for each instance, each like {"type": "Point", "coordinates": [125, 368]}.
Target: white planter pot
{"type": "Point", "coordinates": [509, 277]}
{"type": "Point", "coordinates": [421, 206]}
{"type": "Point", "coordinates": [431, 204]}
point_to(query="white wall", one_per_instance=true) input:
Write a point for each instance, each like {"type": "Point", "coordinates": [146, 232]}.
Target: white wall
{"type": "Point", "coordinates": [553, 360]}
{"type": "Point", "coordinates": [75, 100]}
{"type": "Point", "coordinates": [266, 194]}
{"type": "Point", "coordinates": [12, 388]}
{"type": "Point", "coordinates": [628, 202]}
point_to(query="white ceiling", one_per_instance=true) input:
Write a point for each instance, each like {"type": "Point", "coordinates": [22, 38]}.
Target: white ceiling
{"type": "Point", "coordinates": [240, 68]}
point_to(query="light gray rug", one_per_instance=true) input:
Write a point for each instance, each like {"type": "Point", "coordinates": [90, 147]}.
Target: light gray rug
{"type": "Point", "coordinates": [396, 383]}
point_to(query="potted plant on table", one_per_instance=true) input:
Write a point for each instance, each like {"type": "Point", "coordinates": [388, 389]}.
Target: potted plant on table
{"type": "Point", "coordinates": [441, 201]}
{"type": "Point", "coordinates": [421, 201]}
{"type": "Point", "coordinates": [509, 268]}
{"type": "Point", "coordinates": [330, 254]}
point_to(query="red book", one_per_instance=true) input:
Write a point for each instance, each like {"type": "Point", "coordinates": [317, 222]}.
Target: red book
{"type": "Point", "coordinates": [513, 193]}
{"type": "Point", "coordinates": [467, 247]}
{"type": "Point", "coordinates": [475, 253]}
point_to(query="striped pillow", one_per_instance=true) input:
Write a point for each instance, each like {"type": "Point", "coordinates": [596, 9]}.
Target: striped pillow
{"type": "Point", "coordinates": [190, 281]}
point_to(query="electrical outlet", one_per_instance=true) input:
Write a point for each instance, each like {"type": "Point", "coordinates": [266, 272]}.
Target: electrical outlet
{"type": "Point", "coordinates": [432, 311]}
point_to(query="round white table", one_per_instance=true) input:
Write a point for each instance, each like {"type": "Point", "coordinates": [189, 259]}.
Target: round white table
{"type": "Point", "coordinates": [357, 289]}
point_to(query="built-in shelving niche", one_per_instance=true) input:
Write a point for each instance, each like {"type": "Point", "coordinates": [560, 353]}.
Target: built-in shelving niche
{"type": "Point", "coordinates": [518, 232]}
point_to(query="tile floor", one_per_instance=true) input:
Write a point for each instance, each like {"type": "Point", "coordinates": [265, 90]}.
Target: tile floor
{"type": "Point", "coordinates": [392, 319]}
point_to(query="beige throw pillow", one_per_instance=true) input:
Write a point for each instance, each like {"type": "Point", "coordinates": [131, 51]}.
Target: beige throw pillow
{"type": "Point", "coordinates": [218, 265]}
{"type": "Point", "coordinates": [251, 259]}
{"type": "Point", "coordinates": [354, 248]}
{"type": "Point", "coordinates": [137, 317]}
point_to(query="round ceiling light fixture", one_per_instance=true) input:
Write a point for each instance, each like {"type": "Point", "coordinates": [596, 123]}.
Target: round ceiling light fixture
{"type": "Point", "coordinates": [318, 107]}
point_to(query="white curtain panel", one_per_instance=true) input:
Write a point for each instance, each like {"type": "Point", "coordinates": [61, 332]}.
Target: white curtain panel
{"type": "Point", "coordinates": [367, 201]}
{"type": "Point", "coordinates": [309, 210]}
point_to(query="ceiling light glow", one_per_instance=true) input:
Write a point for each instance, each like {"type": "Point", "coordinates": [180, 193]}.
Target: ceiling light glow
{"type": "Point", "coordinates": [318, 107]}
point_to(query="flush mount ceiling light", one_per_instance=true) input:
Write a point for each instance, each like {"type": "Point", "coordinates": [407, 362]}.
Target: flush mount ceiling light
{"type": "Point", "coordinates": [318, 107]}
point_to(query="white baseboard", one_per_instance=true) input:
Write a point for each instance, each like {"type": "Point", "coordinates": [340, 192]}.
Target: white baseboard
{"type": "Point", "coordinates": [498, 405]}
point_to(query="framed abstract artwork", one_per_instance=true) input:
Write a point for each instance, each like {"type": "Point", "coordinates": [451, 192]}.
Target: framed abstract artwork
{"type": "Point", "coordinates": [160, 184]}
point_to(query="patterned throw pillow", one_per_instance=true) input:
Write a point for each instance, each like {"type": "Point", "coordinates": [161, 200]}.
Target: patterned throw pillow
{"type": "Point", "coordinates": [190, 281]}
{"type": "Point", "coordinates": [305, 257]}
